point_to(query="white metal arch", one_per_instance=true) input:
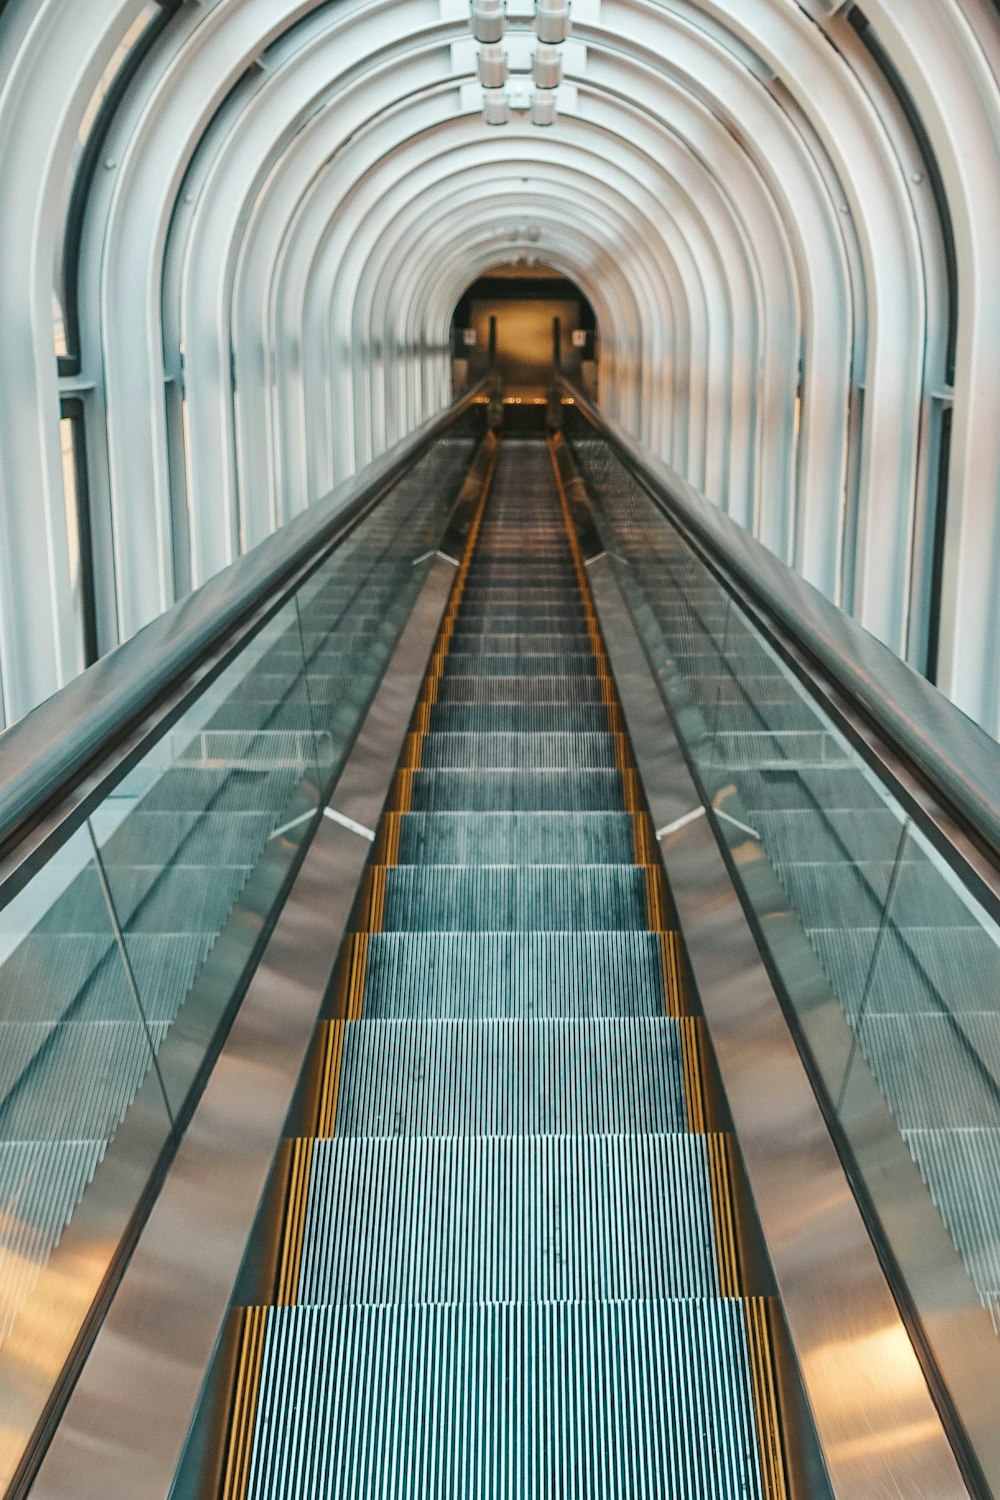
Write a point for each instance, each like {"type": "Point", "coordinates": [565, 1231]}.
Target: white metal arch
{"type": "Point", "coordinates": [287, 180]}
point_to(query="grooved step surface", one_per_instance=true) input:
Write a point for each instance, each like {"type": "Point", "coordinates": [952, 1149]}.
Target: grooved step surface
{"type": "Point", "coordinates": [510, 898]}
{"type": "Point", "coordinates": [465, 976]}
{"type": "Point", "coordinates": [516, 838]}
{"type": "Point", "coordinates": [499, 1078]}
{"type": "Point", "coordinates": [507, 1264]}
{"type": "Point", "coordinates": [649, 1400]}
{"type": "Point", "coordinates": [499, 751]}
{"type": "Point", "coordinates": [517, 791]}
{"type": "Point", "coordinates": [507, 1219]}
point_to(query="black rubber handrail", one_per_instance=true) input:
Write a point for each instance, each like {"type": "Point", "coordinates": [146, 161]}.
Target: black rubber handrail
{"type": "Point", "coordinates": [959, 760]}
{"type": "Point", "coordinates": [47, 753]}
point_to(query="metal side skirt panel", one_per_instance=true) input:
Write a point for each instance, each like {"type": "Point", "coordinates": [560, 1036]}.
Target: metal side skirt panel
{"type": "Point", "coordinates": [127, 1420]}
{"type": "Point", "coordinates": [879, 1429]}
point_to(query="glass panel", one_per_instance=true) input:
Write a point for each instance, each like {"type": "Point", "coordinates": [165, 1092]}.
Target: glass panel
{"type": "Point", "coordinates": [74, 1055]}
{"type": "Point", "coordinates": [891, 968]}
{"type": "Point", "coordinates": [121, 961]}
{"type": "Point", "coordinates": [199, 837]}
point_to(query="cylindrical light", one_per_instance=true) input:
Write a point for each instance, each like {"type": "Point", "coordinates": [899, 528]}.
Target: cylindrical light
{"type": "Point", "coordinates": [496, 106]}
{"type": "Point", "coordinates": [552, 21]}
{"type": "Point", "coordinates": [488, 20]}
{"type": "Point", "coordinates": [546, 68]}
{"type": "Point", "coordinates": [492, 66]}
{"type": "Point", "coordinates": [543, 107]}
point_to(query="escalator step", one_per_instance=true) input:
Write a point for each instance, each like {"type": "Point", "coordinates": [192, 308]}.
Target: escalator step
{"type": "Point", "coordinates": [514, 718]}
{"type": "Point", "coordinates": [486, 663]}
{"type": "Point", "coordinates": [481, 1220]}
{"type": "Point", "coordinates": [516, 838]}
{"type": "Point", "coordinates": [519, 688]}
{"type": "Point", "coordinates": [566, 752]}
{"type": "Point", "coordinates": [465, 976]}
{"type": "Point", "coordinates": [506, 898]}
{"type": "Point", "coordinates": [653, 1400]}
{"type": "Point", "coordinates": [517, 791]}
{"type": "Point", "coordinates": [502, 1078]}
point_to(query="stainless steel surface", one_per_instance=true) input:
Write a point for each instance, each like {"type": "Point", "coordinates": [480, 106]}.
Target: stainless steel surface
{"type": "Point", "coordinates": [961, 760]}
{"type": "Point", "coordinates": [124, 1427]}
{"type": "Point", "coordinates": [44, 754]}
{"type": "Point", "coordinates": [879, 1429]}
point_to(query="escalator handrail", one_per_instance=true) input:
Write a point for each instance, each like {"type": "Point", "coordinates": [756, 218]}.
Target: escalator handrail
{"type": "Point", "coordinates": [45, 755]}
{"type": "Point", "coordinates": [955, 755]}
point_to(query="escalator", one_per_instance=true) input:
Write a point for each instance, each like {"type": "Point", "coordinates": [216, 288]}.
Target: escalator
{"type": "Point", "coordinates": [469, 983]}
{"type": "Point", "coordinates": [507, 1261]}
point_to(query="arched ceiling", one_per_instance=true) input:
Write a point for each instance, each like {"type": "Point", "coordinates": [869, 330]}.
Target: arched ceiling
{"type": "Point", "coordinates": [760, 198]}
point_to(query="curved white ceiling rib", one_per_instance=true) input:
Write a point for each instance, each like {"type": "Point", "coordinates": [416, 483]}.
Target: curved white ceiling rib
{"type": "Point", "coordinates": [296, 193]}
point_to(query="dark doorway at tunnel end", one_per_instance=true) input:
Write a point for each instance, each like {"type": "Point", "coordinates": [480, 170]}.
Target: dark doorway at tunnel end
{"type": "Point", "coordinates": [525, 300]}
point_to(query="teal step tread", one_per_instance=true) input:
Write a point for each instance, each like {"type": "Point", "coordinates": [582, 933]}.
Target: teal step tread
{"type": "Point", "coordinates": [517, 791]}
{"type": "Point", "coordinates": [504, 898]}
{"type": "Point", "coordinates": [649, 1400]}
{"type": "Point", "coordinates": [515, 838]}
{"type": "Point", "coordinates": [518, 751]}
{"type": "Point", "coordinates": [510, 1078]}
{"type": "Point", "coordinates": [469, 976]}
{"type": "Point", "coordinates": [437, 1221]}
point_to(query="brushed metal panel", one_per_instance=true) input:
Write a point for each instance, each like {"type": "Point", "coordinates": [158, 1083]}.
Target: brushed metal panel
{"type": "Point", "coordinates": [877, 1424]}
{"type": "Point", "coordinates": [124, 1427]}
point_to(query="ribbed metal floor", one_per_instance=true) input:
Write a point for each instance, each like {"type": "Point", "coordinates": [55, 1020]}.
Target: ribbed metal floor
{"type": "Point", "coordinates": [508, 1260]}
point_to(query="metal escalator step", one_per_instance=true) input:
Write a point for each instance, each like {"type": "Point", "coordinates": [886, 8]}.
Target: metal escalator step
{"type": "Point", "coordinates": [508, 1219]}
{"type": "Point", "coordinates": [482, 620]}
{"type": "Point", "coordinates": [497, 664]}
{"type": "Point", "coordinates": [510, 643]}
{"type": "Point", "coordinates": [652, 1400]}
{"type": "Point", "coordinates": [71, 1080]}
{"type": "Point", "coordinates": [504, 1078]}
{"type": "Point", "coordinates": [517, 791]}
{"type": "Point", "coordinates": [855, 895]}
{"type": "Point", "coordinates": [519, 688]}
{"type": "Point", "coordinates": [506, 898]}
{"type": "Point", "coordinates": [936, 1072]}
{"type": "Point", "coordinates": [841, 834]}
{"type": "Point", "coordinates": [518, 718]}
{"type": "Point", "coordinates": [809, 787]}
{"type": "Point", "coordinates": [939, 970]}
{"type": "Point", "coordinates": [516, 838]}
{"type": "Point", "coordinates": [531, 751]}
{"type": "Point", "coordinates": [465, 976]}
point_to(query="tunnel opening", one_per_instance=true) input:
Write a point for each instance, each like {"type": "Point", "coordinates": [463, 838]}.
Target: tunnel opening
{"type": "Point", "coordinates": [534, 309]}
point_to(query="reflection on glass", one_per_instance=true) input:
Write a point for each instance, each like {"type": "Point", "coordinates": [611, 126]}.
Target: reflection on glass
{"type": "Point", "coordinates": [121, 960]}
{"type": "Point", "coordinates": [892, 967]}
{"type": "Point", "coordinates": [74, 1054]}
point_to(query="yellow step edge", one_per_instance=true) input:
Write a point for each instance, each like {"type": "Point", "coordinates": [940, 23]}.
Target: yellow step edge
{"type": "Point", "coordinates": [693, 1062]}
{"type": "Point", "coordinates": [657, 900]}
{"type": "Point", "coordinates": [373, 893]}
{"type": "Point", "coordinates": [720, 1169]}
{"type": "Point", "coordinates": [243, 1416]}
{"type": "Point", "coordinates": [759, 1312]}
{"type": "Point", "coordinates": [675, 995]}
{"type": "Point", "coordinates": [386, 850]}
{"type": "Point", "coordinates": [293, 1235]}
{"type": "Point", "coordinates": [332, 1035]}
{"type": "Point", "coordinates": [401, 792]}
{"type": "Point", "coordinates": [349, 982]}
{"type": "Point", "coordinates": [413, 751]}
